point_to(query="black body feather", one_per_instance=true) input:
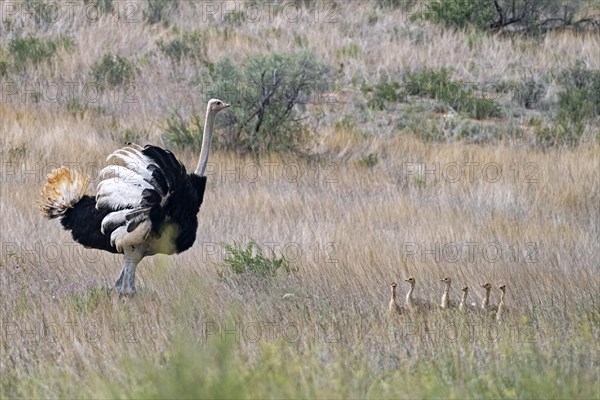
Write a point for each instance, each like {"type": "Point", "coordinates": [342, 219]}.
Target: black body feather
{"type": "Point", "coordinates": [84, 221]}
{"type": "Point", "coordinates": [183, 193]}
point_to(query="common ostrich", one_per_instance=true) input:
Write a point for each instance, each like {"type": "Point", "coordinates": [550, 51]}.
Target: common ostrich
{"type": "Point", "coordinates": [446, 302]}
{"type": "Point", "coordinates": [464, 306]}
{"type": "Point", "coordinates": [485, 304]}
{"type": "Point", "coordinates": [415, 304]}
{"type": "Point", "coordinates": [463, 302]}
{"type": "Point", "coordinates": [145, 203]}
{"type": "Point", "coordinates": [394, 308]}
{"type": "Point", "coordinates": [501, 306]}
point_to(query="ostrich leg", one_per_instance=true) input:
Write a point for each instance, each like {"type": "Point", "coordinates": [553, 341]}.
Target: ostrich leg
{"type": "Point", "coordinates": [125, 284]}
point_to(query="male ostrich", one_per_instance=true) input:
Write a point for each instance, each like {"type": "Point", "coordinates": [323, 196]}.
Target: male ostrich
{"type": "Point", "coordinates": [145, 203]}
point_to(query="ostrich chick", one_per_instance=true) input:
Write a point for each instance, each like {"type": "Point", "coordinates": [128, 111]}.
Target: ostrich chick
{"type": "Point", "coordinates": [394, 308]}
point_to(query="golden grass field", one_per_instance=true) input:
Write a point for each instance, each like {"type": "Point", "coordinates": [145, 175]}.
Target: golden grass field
{"type": "Point", "coordinates": [503, 212]}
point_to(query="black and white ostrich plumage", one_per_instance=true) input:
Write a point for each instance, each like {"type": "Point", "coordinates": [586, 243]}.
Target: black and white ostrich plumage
{"type": "Point", "coordinates": [146, 203]}
{"type": "Point", "coordinates": [150, 197]}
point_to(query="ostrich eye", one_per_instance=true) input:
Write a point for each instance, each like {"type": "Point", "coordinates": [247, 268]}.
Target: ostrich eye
{"type": "Point", "coordinates": [219, 103]}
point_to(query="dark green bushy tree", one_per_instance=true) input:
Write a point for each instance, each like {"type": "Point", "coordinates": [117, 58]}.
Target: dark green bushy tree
{"type": "Point", "coordinates": [265, 92]}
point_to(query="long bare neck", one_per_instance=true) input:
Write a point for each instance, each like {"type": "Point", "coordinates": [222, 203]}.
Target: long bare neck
{"type": "Point", "coordinates": [393, 293]}
{"type": "Point", "coordinates": [445, 295]}
{"type": "Point", "coordinates": [464, 298]}
{"type": "Point", "coordinates": [502, 297]}
{"type": "Point", "coordinates": [486, 300]}
{"type": "Point", "coordinates": [206, 140]}
{"type": "Point", "coordinates": [409, 294]}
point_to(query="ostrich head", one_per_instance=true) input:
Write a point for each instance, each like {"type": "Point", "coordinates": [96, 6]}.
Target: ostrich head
{"type": "Point", "coordinates": [465, 289]}
{"type": "Point", "coordinates": [216, 105]}
{"type": "Point", "coordinates": [410, 280]}
{"type": "Point", "coordinates": [394, 284]}
{"type": "Point", "coordinates": [446, 280]}
{"type": "Point", "coordinates": [486, 286]}
{"type": "Point", "coordinates": [502, 288]}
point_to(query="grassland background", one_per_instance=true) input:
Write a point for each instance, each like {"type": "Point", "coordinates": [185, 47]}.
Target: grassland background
{"type": "Point", "coordinates": [196, 330]}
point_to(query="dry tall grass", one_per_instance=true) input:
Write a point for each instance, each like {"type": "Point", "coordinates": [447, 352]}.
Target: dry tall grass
{"type": "Point", "coordinates": [505, 214]}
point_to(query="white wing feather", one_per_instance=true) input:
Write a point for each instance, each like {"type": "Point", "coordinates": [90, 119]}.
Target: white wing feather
{"type": "Point", "coordinates": [121, 188]}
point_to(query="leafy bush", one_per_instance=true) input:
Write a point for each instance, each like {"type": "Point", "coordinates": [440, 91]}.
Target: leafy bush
{"type": "Point", "coordinates": [112, 71]}
{"type": "Point", "coordinates": [129, 135]}
{"type": "Point", "coordinates": [529, 16]}
{"type": "Point", "coordinates": [182, 134]}
{"type": "Point", "coordinates": [264, 92]}
{"type": "Point", "coordinates": [369, 161]}
{"type": "Point", "coordinates": [235, 17]}
{"type": "Point", "coordinates": [103, 6]}
{"type": "Point", "coordinates": [574, 109]}
{"type": "Point", "coordinates": [458, 13]}
{"type": "Point", "coordinates": [528, 93]}
{"type": "Point", "coordinates": [578, 104]}
{"type": "Point", "coordinates": [383, 92]}
{"type": "Point", "coordinates": [476, 107]}
{"type": "Point", "coordinates": [159, 10]}
{"type": "Point", "coordinates": [4, 67]}
{"type": "Point", "coordinates": [24, 51]}
{"type": "Point", "coordinates": [579, 78]}
{"type": "Point", "coordinates": [436, 83]}
{"type": "Point", "coordinates": [186, 46]}
{"type": "Point", "coordinates": [250, 259]}
{"type": "Point", "coordinates": [404, 4]}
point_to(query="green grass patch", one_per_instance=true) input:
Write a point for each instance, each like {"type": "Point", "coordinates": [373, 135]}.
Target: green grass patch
{"type": "Point", "coordinates": [436, 83]}
{"type": "Point", "coordinates": [112, 70]}
{"type": "Point", "coordinates": [250, 258]}
{"type": "Point", "coordinates": [34, 51]}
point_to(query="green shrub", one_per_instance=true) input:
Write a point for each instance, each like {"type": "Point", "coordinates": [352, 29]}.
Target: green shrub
{"type": "Point", "coordinates": [475, 107]}
{"type": "Point", "coordinates": [586, 81]}
{"type": "Point", "coordinates": [186, 46]}
{"type": "Point", "coordinates": [527, 16]}
{"type": "Point", "coordinates": [250, 258]}
{"type": "Point", "coordinates": [235, 17]}
{"type": "Point", "coordinates": [429, 82]}
{"type": "Point", "coordinates": [159, 10]}
{"type": "Point", "coordinates": [574, 104]}
{"type": "Point", "coordinates": [75, 108]}
{"type": "Point", "coordinates": [369, 161]}
{"type": "Point", "coordinates": [112, 71]}
{"type": "Point", "coordinates": [183, 134]}
{"type": "Point", "coordinates": [129, 135]}
{"type": "Point", "coordinates": [103, 6]}
{"type": "Point", "coordinates": [382, 93]}
{"type": "Point", "coordinates": [264, 92]}
{"type": "Point", "coordinates": [436, 83]}
{"type": "Point", "coordinates": [458, 13]}
{"type": "Point", "coordinates": [32, 50]}
{"type": "Point", "coordinates": [574, 109]}
{"type": "Point", "coordinates": [4, 66]}
{"type": "Point", "coordinates": [528, 93]}
{"type": "Point", "coordinates": [578, 104]}
{"type": "Point", "coordinates": [404, 4]}
{"type": "Point", "coordinates": [43, 13]}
